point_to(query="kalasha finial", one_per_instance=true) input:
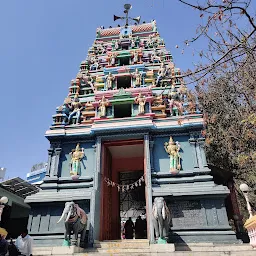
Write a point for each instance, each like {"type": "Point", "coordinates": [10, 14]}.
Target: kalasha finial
{"type": "Point", "coordinates": [127, 7]}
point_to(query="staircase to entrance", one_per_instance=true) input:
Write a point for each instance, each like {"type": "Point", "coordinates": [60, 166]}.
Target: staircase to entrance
{"type": "Point", "coordinates": [143, 247]}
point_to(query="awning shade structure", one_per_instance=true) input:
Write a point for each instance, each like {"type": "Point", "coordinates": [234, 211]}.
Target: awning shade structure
{"type": "Point", "coordinates": [19, 187]}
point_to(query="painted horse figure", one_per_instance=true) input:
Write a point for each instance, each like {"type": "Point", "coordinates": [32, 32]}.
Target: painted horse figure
{"type": "Point", "coordinates": [76, 221]}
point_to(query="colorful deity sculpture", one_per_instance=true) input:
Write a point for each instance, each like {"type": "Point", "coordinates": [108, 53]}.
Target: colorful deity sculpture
{"type": "Point", "coordinates": [137, 75]}
{"type": "Point", "coordinates": [112, 59]}
{"type": "Point", "coordinates": [77, 155]}
{"type": "Point", "coordinates": [174, 100]}
{"type": "Point", "coordinates": [103, 103]}
{"type": "Point", "coordinates": [173, 149]}
{"type": "Point", "coordinates": [110, 78]}
{"type": "Point", "coordinates": [87, 79]}
{"type": "Point", "coordinates": [133, 43]}
{"type": "Point", "coordinates": [154, 57]}
{"type": "Point", "coordinates": [161, 73]}
{"type": "Point", "coordinates": [76, 108]}
{"type": "Point", "coordinates": [94, 63]}
{"type": "Point", "coordinates": [135, 57]}
{"type": "Point", "coordinates": [116, 45]}
{"type": "Point", "coordinates": [141, 100]}
{"type": "Point", "coordinates": [150, 41]}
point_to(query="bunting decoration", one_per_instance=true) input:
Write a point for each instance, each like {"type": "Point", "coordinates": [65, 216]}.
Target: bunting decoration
{"type": "Point", "coordinates": [125, 187]}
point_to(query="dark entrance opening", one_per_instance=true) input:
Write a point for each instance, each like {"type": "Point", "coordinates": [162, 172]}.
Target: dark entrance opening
{"type": "Point", "coordinates": [123, 110]}
{"type": "Point", "coordinates": [133, 205]}
{"type": "Point", "coordinates": [124, 61]}
{"type": "Point", "coordinates": [123, 82]}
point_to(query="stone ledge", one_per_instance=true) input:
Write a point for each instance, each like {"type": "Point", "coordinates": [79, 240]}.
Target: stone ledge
{"type": "Point", "coordinates": [191, 249]}
{"type": "Point", "coordinates": [162, 248]}
{"type": "Point", "coordinates": [58, 250]}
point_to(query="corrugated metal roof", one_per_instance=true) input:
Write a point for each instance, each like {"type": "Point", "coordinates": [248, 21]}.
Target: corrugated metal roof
{"type": "Point", "coordinates": [19, 187]}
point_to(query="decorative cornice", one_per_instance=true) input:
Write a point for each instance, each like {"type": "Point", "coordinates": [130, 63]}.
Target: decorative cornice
{"type": "Point", "coordinates": [122, 94]}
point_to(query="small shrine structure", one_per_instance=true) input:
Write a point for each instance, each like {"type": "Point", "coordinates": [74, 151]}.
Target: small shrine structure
{"type": "Point", "coordinates": [126, 133]}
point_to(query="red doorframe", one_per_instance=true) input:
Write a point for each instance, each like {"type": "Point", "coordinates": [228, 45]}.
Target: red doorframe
{"type": "Point", "coordinates": [109, 215]}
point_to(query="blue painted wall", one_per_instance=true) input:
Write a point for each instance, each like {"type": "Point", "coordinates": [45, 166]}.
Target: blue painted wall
{"type": "Point", "coordinates": [87, 163]}
{"type": "Point", "coordinates": [161, 159]}
{"type": "Point", "coordinates": [43, 217]}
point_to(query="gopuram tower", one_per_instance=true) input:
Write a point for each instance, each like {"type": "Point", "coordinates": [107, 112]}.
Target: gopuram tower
{"type": "Point", "coordinates": [126, 134]}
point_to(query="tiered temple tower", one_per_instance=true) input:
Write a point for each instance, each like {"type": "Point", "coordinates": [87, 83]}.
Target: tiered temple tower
{"type": "Point", "coordinates": [130, 121]}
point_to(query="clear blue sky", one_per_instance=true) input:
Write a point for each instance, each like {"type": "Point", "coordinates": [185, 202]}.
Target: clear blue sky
{"type": "Point", "coordinates": [42, 44]}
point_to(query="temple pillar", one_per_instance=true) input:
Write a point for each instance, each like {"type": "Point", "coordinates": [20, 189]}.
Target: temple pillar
{"type": "Point", "coordinates": [57, 159]}
{"type": "Point", "coordinates": [151, 145]}
{"type": "Point", "coordinates": [199, 156]}
{"type": "Point", "coordinates": [50, 151]}
{"type": "Point", "coordinates": [193, 142]}
{"type": "Point", "coordinates": [148, 188]}
{"type": "Point", "coordinates": [94, 229]}
{"type": "Point", "coordinates": [201, 144]}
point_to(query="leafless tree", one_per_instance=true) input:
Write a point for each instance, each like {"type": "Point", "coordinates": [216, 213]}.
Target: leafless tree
{"type": "Point", "coordinates": [225, 85]}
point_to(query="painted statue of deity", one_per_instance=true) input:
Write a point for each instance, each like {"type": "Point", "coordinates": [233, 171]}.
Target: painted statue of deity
{"type": "Point", "coordinates": [101, 48]}
{"type": "Point", "coordinates": [94, 63]}
{"type": "Point", "coordinates": [141, 100]}
{"type": "Point", "coordinates": [87, 79]}
{"type": "Point", "coordinates": [154, 57]}
{"type": "Point", "coordinates": [103, 103]}
{"type": "Point", "coordinates": [150, 41]}
{"type": "Point", "coordinates": [110, 78]}
{"type": "Point", "coordinates": [161, 73]}
{"type": "Point", "coordinates": [76, 108]}
{"type": "Point", "coordinates": [112, 60]}
{"type": "Point", "coordinates": [174, 101]}
{"type": "Point", "coordinates": [116, 45]}
{"type": "Point", "coordinates": [170, 69]}
{"type": "Point", "coordinates": [173, 149]}
{"type": "Point", "coordinates": [136, 57]}
{"type": "Point", "coordinates": [77, 155]}
{"type": "Point", "coordinates": [137, 75]}
{"type": "Point", "coordinates": [133, 43]}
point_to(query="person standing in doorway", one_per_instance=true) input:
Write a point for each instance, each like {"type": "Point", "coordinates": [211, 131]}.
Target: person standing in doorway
{"type": "Point", "coordinates": [3, 246]}
{"type": "Point", "coordinates": [139, 228]}
{"type": "Point", "coordinates": [24, 243]}
{"type": "Point", "coordinates": [129, 228]}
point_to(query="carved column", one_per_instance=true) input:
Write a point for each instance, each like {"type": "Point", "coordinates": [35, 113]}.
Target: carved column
{"type": "Point", "coordinates": [151, 145]}
{"type": "Point", "coordinates": [49, 162]}
{"type": "Point", "coordinates": [199, 156]}
{"type": "Point", "coordinates": [57, 159]}
{"type": "Point", "coordinates": [94, 229]}
{"type": "Point", "coordinates": [193, 143]}
{"type": "Point", "coordinates": [148, 185]}
{"type": "Point", "coordinates": [202, 151]}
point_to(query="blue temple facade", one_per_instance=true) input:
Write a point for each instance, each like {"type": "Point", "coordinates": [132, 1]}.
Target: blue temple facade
{"type": "Point", "coordinates": [137, 135]}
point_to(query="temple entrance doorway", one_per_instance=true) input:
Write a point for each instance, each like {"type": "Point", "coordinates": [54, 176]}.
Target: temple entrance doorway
{"type": "Point", "coordinates": [132, 205]}
{"type": "Point", "coordinates": [123, 198]}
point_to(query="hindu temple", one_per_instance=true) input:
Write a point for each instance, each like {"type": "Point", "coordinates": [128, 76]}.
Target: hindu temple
{"type": "Point", "coordinates": [126, 134]}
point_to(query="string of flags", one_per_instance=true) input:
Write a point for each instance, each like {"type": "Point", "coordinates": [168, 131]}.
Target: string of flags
{"type": "Point", "coordinates": [125, 187]}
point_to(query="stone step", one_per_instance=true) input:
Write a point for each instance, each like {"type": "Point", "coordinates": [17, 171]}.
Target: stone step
{"type": "Point", "coordinates": [247, 253]}
{"type": "Point", "coordinates": [57, 250]}
{"type": "Point", "coordinates": [133, 243]}
{"type": "Point", "coordinates": [199, 249]}
{"type": "Point", "coordinates": [153, 248]}
{"type": "Point", "coordinates": [208, 247]}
